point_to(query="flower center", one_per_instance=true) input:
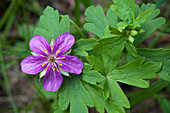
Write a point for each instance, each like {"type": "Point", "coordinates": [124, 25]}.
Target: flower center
{"type": "Point", "coordinates": [52, 59]}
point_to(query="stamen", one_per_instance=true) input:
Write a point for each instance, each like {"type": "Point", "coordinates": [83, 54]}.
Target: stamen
{"type": "Point", "coordinates": [63, 57]}
{"type": "Point", "coordinates": [57, 70]}
{"type": "Point", "coordinates": [43, 64]}
{"type": "Point", "coordinates": [52, 47]}
{"type": "Point", "coordinates": [59, 64]}
{"type": "Point", "coordinates": [53, 68]}
{"type": "Point", "coordinates": [46, 68]}
{"type": "Point", "coordinates": [58, 51]}
{"type": "Point", "coordinates": [45, 50]}
{"type": "Point", "coordinates": [40, 55]}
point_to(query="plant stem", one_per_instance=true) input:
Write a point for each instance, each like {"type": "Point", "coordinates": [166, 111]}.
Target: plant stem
{"type": "Point", "coordinates": [3, 69]}
{"type": "Point", "coordinates": [75, 25]}
{"type": "Point", "coordinates": [33, 100]}
{"type": "Point", "coordinates": [147, 105]}
{"type": "Point", "coordinates": [144, 94]}
{"type": "Point", "coordinates": [44, 98]}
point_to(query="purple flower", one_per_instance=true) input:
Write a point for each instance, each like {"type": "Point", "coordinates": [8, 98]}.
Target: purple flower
{"type": "Point", "coordinates": [52, 60]}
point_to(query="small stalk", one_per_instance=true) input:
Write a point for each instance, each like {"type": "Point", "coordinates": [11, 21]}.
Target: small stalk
{"type": "Point", "coordinates": [75, 25]}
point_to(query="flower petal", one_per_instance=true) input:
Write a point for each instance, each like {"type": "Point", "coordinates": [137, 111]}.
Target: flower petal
{"type": "Point", "coordinates": [33, 64]}
{"type": "Point", "coordinates": [39, 45]}
{"type": "Point", "coordinates": [63, 43]}
{"type": "Point", "coordinates": [52, 79]}
{"type": "Point", "coordinates": [70, 64]}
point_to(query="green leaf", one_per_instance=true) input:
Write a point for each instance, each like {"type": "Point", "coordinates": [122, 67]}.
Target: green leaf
{"type": "Point", "coordinates": [50, 26]}
{"type": "Point", "coordinates": [144, 94]}
{"type": "Point", "coordinates": [91, 76]}
{"type": "Point", "coordinates": [106, 92]}
{"type": "Point", "coordinates": [111, 107]}
{"type": "Point", "coordinates": [131, 49]}
{"type": "Point", "coordinates": [60, 111]}
{"type": "Point", "coordinates": [158, 55]}
{"type": "Point", "coordinates": [97, 21]}
{"type": "Point", "coordinates": [149, 6]}
{"type": "Point", "coordinates": [143, 16]}
{"type": "Point", "coordinates": [73, 94]}
{"type": "Point", "coordinates": [151, 24]}
{"type": "Point", "coordinates": [96, 63]}
{"type": "Point", "coordinates": [112, 18]}
{"type": "Point", "coordinates": [101, 104]}
{"type": "Point", "coordinates": [133, 73]}
{"type": "Point", "coordinates": [124, 9]}
{"type": "Point", "coordinates": [116, 93]}
{"type": "Point", "coordinates": [114, 31]}
{"type": "Point", "coordinates": [109, 34]}
{"type": "Point", "coordinates": [149, 27]}
{"type": "Point", "coordinates": [111, 51]}
{"type": "Point", "coordinates": [83, 45]}
{"type": "Point", "coordinates": [122, 25]}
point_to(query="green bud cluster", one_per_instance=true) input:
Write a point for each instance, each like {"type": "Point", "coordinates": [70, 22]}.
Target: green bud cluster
{"type": "Point", "coordinates": [131, 31]}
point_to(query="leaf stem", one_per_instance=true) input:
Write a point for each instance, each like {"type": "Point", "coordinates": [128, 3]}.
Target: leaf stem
{"type": "Point", "coordinates": [3, 69]}
{"type": "Point", "coordinates": [75, 25]}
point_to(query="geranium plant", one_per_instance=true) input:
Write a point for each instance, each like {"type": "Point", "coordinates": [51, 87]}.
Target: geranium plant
{"type": "Point", "coordinates": [90, 75]}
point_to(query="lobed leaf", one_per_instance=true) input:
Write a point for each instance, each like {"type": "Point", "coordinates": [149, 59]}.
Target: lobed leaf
{"type": "Point", "coordinates": [131, 49]}
{"type": "Point", "coordinates": [97, 21]}
{"type": "Point", "coordinates": [91, 76]}
{"type": "Point", "coordinates": [73, 94]}
{"type": "Point", "coordinates": [158, 55]}
{"type": "Point", "coordinates": [151, 24]}
{"type": "Point", "coordinates": [133, 73]}
{"type": "Point", "coordinates": [96, 63]}
{"type": "Point", "coordinates": [100, 104]}
{"type": "Point", "coordinates": [143, 16]}
{"type": "Point", "coordinates": [50, 26]}
{"type": "Point", "coordinates": [149, 27]}
{"type": "Point", "coordinates": [124, 9]}
{"type": "Point", "coordinates": [111, 50]}
{"type": "Point", "coordinates": [116, 93]}
{"type": "Point", "coordinates": [83, 45]}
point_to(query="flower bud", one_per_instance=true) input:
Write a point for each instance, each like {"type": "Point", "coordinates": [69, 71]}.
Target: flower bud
{"type": "Point", "coordinates": [131, 39]}
{"type": "Point", "coordinates": [133, 32]}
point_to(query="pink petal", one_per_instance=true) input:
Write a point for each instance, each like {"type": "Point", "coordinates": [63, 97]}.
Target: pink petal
{"type": "Point", "coordinates": [63, 43]}
{"type": "Point", "coordinates": [39, 45]}
{"type": "Point", "coordinates": [70, 64]}
{"type": "Point", "coordinates": [52, 80]}
{"type": "Point", "coordinates": [33, 64]}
